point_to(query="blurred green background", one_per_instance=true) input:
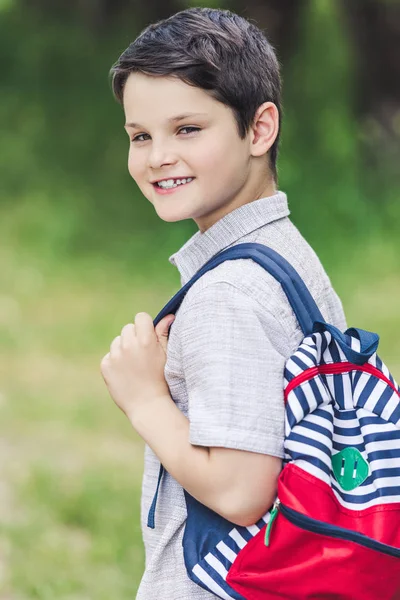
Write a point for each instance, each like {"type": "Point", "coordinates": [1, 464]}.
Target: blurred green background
{"type": "Point", "coordinates": [81, 251]}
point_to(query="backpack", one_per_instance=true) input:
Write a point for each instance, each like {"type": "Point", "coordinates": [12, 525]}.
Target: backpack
{"type": "Point", "coordinates": [334, 529]}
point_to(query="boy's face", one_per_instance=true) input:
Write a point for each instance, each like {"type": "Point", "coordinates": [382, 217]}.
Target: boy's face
{"type": "Point", "coordinates": [162, 148]}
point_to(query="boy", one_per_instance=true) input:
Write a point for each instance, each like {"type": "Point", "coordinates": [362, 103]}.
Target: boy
{"type": "Point", "coordinates": [201, 96]}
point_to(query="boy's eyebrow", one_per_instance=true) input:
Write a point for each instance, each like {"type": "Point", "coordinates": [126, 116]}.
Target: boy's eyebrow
{"type": "Point", "coordinates": [172, 119]}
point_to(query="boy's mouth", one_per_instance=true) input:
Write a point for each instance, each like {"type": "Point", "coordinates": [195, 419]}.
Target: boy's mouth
{"type": "Point", "coordinates": [170, 185]}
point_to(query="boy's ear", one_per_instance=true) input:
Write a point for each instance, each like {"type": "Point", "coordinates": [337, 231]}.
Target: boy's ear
{"type": "Point", "coordinates": [264, 129]}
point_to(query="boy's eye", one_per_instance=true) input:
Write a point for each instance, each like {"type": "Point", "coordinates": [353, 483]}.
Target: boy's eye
{"type": "Point", "coordinates": [188, 130]}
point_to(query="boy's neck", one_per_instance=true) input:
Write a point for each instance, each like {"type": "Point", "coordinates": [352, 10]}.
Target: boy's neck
{"type": "Point", "coordinates": [269, 189]}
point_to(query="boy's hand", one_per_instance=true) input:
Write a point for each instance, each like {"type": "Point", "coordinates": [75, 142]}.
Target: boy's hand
{"type": "Point", "coordinates": [133, 370]}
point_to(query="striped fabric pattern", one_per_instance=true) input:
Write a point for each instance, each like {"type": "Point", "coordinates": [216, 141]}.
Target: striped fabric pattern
{"type": "Point", "coordinates": [329, 413]}
{"type": "Point", "coordinates": [326, 413]}
{"type": "Point", "coordinates": [212, 571]}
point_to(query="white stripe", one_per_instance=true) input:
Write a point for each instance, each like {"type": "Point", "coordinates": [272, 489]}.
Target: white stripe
{"type": "Point", "coordinates": [210, 583]}
{"type": "Point", "coordinates": [226, 551]}
{"type": "Point", "coordinates": [293, 368]}
{"type": "Point", "coordinates": [330, 384]}
{"type": "Point", "coordinates": [385, 370]}
{"type": "Point", "coordinates": [305, 359]}
{"type": "Point", "coordinates": [310, 396]}
{"type": "Point", "coordinates": [375, 396]}
{"type": "Point", "coordinates": [384, 463]}
{"type": "Point", "coordinates": [350, 440]}
{"type": "Point", "coordinates": [327, 356]}
{"type": "Point", "coordinates": [314, 435]}
{"type": "Point", "coordinates": [307, 450]}
{"type": "Point", "coordinates": [347, 423]}
{"type": "Point", "coordinates": [288, 429]}
{"type": "Point", "coordinates": [253, 529]}
{"type": "Point", "coordinates": [295, 406]}
{"type": "Point", "coordinates": [355, 344]}
{"type": "Point", "coordinates": [361, 383]}
{"type": "Point", "coordinates": [326, 398]}
{"type": "Point", "coordinates": [347, 391]}
{"type": "Point", "coordinates": [342, 355]}
{"type": "Point", "coordinates": [216, 565]}
{"type": "Point", "coordinates": [390, 407]}
{"type": "Point", "coordinates": [383, 428]}
{"type": "Point", "coordinates": [363, 413]}
{"type": "Point", "coordinates": [235, 535]}
{"type": "Point", "coordinates": [310, 344]}
{"type": "Point", "coordinates": [318, 420]}
{"type": "Point", "coordinates": [381, 445]}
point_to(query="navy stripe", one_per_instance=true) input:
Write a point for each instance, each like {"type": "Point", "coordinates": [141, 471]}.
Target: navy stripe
{"type": "Point", "coordinates": [317, 392]}
{"type": "Point", "coordinates": [324, 345]}
{"type": "Point", "coordinates": [303, 350]}
{"type": "Point", "coordinates": [288, 375]}
{"type": "Point", "coordinates": [382, 436]}
{"type": "Point", "coordinates": [225, 561]}
{"type": "Point", "coordinates": [338, 387]}
{"type": "Point", "coordinates": [297, 361]}
{"type": "Point", "coordinates": [334, 351]}
{"type": "Point", "coordinates": [295, 437]}
{"type": "Point", "coordinates": [382, 454]}
{"type": "Point", "coordinates": [388, 491]}
{"type": "Point", "coordinates": [347, 431]}
{"type": "Point", "coordinates": [338, 446]}
{"type": "Point", "coordinates": [367, 391]}
{"type": "Point", "coordinates": [230, 542]}
{"type": "Point", "coordinates": [245, 533]}
{"type": "Point", "coordinates": [261, 523]}
{"type": "Point", "coordinates": [346, 415]}
{"type": "Point", "coordinates": [355, 377]}
{"type": "Point", "coordinates": [383, 400]}
{"type": "Point", "coordinates": [313, 460]}
{"type": "Point", "coordinates": [395, 416]}
{"type": "Point", "coordinates": [375, 476]}
{"type": "Point", "coordinates": [315, 427]}
{"type": "Point", "coordinates": [373, 420]}
{"type": "Point", "coordinates": [325, 414]}
{"type": "Point", "coordinates": [387, 472]}
{"type": "Point", "coordinates": [220, 580]}
{"type": "Point", "coordinates": [290, 416]}
{"type": "Point", "coordinates": [301, 397]}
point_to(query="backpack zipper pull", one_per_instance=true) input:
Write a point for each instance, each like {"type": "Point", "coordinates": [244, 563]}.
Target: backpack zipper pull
{"type": "Point", "coordinates": [274, 513]}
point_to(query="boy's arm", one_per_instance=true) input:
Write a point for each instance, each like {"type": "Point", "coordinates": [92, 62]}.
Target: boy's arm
{"type": "Point", "coordinates": [238, 485]}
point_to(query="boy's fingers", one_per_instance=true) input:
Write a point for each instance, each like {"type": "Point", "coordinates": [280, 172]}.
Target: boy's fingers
{"type": "Point", "coordinates": [115, 344]}
{"type": "Point", "coordinates": [127, 333]}
{"type": "Point", "coordinates": [144, 327]}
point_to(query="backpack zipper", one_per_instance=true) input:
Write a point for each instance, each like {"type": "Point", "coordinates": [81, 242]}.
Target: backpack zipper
{"type": "Point", "coordinates": [324, 528]}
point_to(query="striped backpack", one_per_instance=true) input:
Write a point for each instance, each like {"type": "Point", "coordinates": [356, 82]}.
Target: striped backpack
{"type": "Point", "coordinates": [334, 529]}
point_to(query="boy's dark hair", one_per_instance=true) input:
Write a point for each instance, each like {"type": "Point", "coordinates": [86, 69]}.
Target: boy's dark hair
{"type": "Point", "coordinates": [215, 50]}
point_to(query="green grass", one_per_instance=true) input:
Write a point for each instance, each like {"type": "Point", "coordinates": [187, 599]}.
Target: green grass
{"type": "Point", "coordinates": [70, 463]}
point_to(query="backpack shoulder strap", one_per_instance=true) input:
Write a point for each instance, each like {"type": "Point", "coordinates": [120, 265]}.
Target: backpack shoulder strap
{"type": "Point", "coordinates": [297, 293]}
{"type": "Point", "coordinates": [295, 289]}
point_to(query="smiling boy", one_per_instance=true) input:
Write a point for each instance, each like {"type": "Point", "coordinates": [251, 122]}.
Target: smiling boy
{"type": "Point", "coordinates": [201, 96]}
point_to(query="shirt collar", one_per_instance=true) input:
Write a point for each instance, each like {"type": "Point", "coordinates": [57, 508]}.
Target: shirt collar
{"type": "Point", "coordinates": [201, 247]}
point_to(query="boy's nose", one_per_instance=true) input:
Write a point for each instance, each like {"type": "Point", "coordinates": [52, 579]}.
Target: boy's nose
{"type": "Point", "coordinates": [160, 156]}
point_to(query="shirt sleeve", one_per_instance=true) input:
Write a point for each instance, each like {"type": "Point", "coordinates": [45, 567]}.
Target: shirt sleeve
{"type": "Point", "coordinates": [233, 372]}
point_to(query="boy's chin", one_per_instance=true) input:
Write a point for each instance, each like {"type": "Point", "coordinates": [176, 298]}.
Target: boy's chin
{"type": "Point", "coordinates": [171, 217]}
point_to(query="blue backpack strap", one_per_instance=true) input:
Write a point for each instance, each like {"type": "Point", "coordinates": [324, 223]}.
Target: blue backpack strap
{"type": "Point", "coordinates": [298, 295]}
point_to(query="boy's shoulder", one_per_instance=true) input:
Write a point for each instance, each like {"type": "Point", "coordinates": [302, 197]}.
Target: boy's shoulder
{"type": "Point", "coordinates": [248, 282]}
{"type": "Point", "coordinates": [252, 280]}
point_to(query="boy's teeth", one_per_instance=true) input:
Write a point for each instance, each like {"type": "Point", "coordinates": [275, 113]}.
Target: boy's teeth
{"type": "Point", "coordinates": [173, 183]}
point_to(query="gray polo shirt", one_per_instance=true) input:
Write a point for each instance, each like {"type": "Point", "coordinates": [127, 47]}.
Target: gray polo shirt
{"type": "Point", "coordinates": [226, 353]}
